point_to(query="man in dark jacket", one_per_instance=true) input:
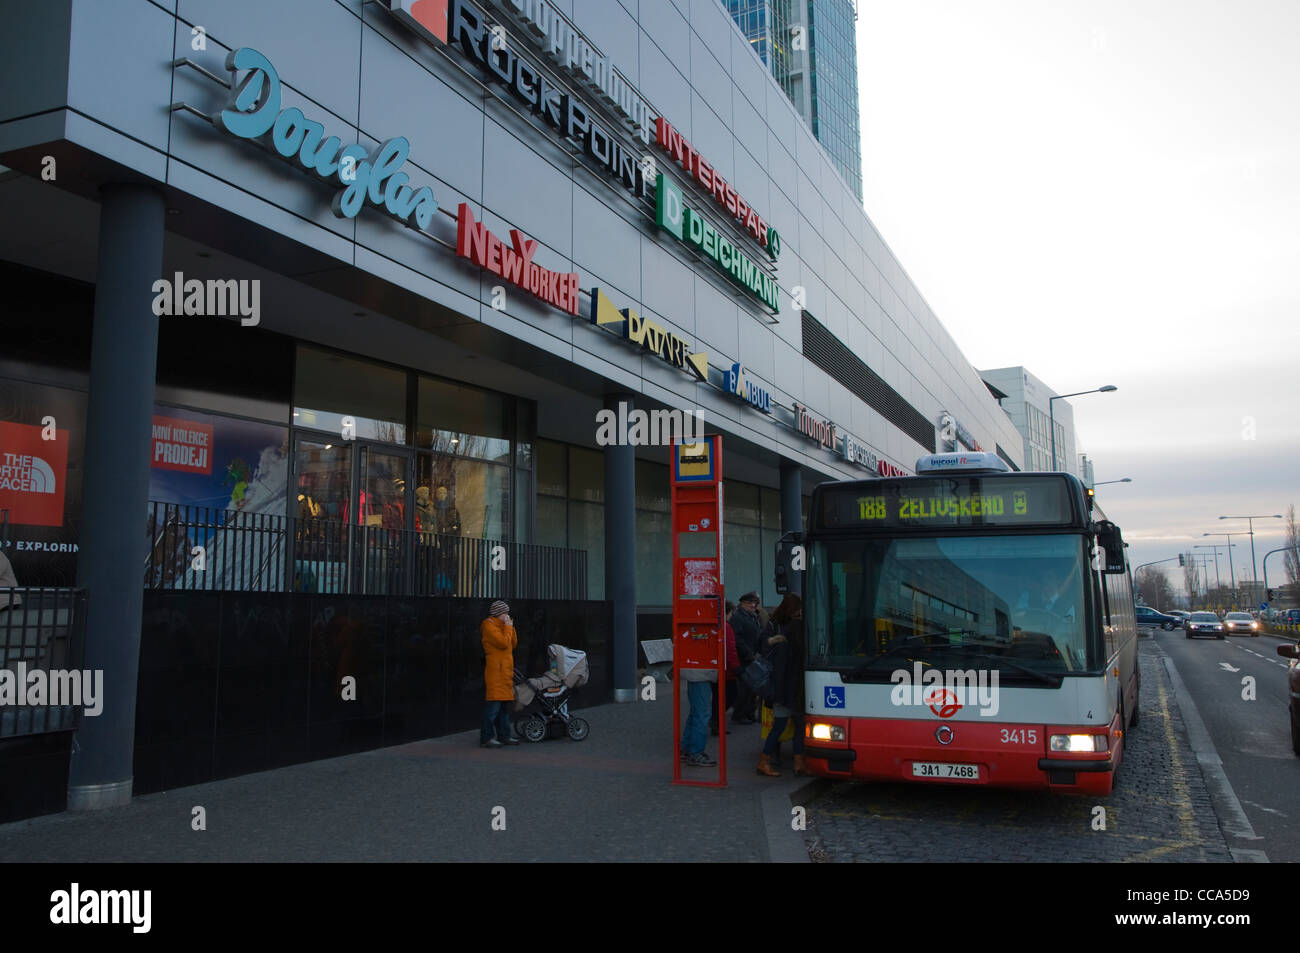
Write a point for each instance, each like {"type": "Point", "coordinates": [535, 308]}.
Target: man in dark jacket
{"type": "Point", "coordinates": [748, 642]}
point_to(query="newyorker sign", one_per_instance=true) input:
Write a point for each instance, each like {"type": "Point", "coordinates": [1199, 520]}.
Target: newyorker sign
{"type": "Point", "coordinates": [514, 262]}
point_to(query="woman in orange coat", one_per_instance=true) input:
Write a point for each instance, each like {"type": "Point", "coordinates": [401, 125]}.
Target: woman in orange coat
{"type": "Point", "coordinates": [499, 642]}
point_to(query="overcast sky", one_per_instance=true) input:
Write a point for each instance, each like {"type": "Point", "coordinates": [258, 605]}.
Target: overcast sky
{"type": "Point", "coordinates": [1108, 192]}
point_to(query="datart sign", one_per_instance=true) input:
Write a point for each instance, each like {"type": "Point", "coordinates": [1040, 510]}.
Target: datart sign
{"type": "Point", "coordinates": [514, 262]}
{"type": "Point", "coordinates": [681, 151]}
{"type": "Point", "coordinates": [374, 178]}
{"type": "Point", "coordinates": [649, 335]}
{"type": "Point", "coordinates": [735, 382]}
{"type": "Point", "coordinates": [468, 28]}
{"type": "Point", "coordinates": [33, 474]}
{"type": "Point", "coordinates": [688, 226]}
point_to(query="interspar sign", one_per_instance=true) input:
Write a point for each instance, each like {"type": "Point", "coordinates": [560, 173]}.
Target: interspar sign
{"type": "Point", "coordinates": [680, 150]}
{"type": "Point", "coordinates": [686, 225]}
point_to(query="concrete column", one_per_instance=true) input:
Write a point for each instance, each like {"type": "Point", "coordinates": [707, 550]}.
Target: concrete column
{"type": "Point", "coordinates": [620, 554]}
{"type": "Point", "coordinates": [110, 562]}
{"type": "Point", "coordinates": [792, 509]}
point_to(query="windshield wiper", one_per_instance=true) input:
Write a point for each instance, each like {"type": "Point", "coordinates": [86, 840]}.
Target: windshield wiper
{"type": "Point", "coordinates": [860, 673]}
{"type": "Point", "coordinates": [973, 650]}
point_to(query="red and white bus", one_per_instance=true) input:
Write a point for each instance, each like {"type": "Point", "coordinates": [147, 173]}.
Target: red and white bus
{"type": "Point", "coordinates": [968, 625]}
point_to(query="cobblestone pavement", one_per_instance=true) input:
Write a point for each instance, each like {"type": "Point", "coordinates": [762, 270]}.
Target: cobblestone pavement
{"type": "Point", "coordinates": [608, 798]}
{"type": "Point", "coordinates": [1159, 811]}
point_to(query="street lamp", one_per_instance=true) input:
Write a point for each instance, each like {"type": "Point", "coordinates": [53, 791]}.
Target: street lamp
{"type": "Point", "coordinates": [1051, 412]}
{"type": "Point", "coordinates": [1218, 582]}
{"type": "Point", "coordinates": [1104, 482]}
{"type": "Point", "coordinates": [1232, 574]}
{"type": "Point", "coordinates": [1250, 521]}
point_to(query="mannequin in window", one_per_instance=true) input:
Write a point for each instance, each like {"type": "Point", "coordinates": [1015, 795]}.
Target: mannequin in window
{"type": "Point", "coordinates": [447, 516]}
{"type": "Point", "coordinates": [424, 514]}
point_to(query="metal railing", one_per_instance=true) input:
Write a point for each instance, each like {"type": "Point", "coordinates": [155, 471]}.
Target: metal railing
{"type": "Point", "coordinates": [213, 549]}
{"type": "Point", "coordinates": [41, 650]}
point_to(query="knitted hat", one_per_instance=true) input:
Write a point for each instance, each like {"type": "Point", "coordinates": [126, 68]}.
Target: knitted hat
{"type": "Point", "coordinates": [499, 608]}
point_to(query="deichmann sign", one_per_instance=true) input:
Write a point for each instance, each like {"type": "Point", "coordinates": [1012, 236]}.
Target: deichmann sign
{"type": "Point", "coordinates": [569, 49]}
{"type": "Point", "coordinates": [681, 151]}
{"type": "Point", "coordinates": [650, 336]}
{"type": "Point", "coordinates": [374, 178]}
{"type": "Point", "coordinates": [514, 262]}
{"type": "Point", "coordinates": [467, 28]}
{"type": "Point", "coordinates": [674, 216]}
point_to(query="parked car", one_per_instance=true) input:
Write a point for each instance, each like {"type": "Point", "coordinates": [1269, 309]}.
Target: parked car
{"type": "Point", "coordinates": [1204, 623]}
{"type": "Point", "coordinates": [1287, 650]}
{"type": "Point", "coordinates": [1235, 622]}
{"type": "Point", "coordinates": [1148, 616]}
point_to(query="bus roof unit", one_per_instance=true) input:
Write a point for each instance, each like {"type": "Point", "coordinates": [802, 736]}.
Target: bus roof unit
{"type": "Point", "coordinates": [961, 463]}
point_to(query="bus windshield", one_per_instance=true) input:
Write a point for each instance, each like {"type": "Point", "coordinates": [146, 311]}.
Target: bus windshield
{"type": "Point", "coordinates": [1011, 603]}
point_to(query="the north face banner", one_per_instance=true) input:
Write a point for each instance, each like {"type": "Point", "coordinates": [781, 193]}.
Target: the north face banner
{"type": "Point", "coordinates": [33, 472]}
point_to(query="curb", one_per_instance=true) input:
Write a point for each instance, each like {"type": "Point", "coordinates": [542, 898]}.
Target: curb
{"type": "Point", "coordinates": [785, 844]}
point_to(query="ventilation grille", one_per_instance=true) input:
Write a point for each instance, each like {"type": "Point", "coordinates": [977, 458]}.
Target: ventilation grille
{"type": "Point", "coordinates": [832, 356]}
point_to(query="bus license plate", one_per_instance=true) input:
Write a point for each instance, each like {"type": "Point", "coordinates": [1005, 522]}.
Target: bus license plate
{"type": "Point", "coordinates": [942, 770]}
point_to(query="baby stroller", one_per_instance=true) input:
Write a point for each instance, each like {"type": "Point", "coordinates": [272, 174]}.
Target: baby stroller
{"type": "Point", "coordinates": [544, 701]}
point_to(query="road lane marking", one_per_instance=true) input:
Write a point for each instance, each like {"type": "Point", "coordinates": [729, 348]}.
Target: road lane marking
{"type": "Point", "coordinates": [1232, 816]}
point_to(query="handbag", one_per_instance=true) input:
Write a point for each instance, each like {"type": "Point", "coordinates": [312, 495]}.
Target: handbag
{"type": "Point", "coordinates": [769, 718]}
{"type": "Point", "coordinates": [758, 676]}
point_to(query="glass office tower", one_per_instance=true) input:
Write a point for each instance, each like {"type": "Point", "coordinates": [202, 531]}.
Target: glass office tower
{"type": "Point", "coordinates": [809, 46]}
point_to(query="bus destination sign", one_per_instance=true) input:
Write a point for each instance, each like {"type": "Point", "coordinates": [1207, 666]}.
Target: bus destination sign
{"type": "Point", "coordinates": [947, 501]}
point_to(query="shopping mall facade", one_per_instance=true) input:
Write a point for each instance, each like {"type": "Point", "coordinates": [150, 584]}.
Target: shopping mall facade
{"type": "Point", "coordinates": [312, 310]}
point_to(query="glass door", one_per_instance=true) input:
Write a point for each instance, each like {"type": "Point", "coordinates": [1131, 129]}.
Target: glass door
{"type": "Point", "coordinates": [318, 514]}
{"type": "Point", "coordinates": [384, 524]}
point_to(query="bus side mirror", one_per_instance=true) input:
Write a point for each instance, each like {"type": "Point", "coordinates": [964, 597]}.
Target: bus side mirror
{"type": "Point", "coordinates": [1112, 544]}
{"type": "Point", "coordinates": [790, 561]}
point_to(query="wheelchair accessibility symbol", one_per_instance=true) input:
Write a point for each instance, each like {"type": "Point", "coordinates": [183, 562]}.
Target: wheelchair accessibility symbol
{"type": "Point", "coordinates": [834, 696]}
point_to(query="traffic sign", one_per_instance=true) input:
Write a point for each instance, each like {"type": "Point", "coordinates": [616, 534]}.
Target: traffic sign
{"type": "Point", "coordinates": [1263, 606]}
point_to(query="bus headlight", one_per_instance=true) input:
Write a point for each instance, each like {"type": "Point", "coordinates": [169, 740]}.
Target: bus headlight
{"type": "Point", "coordinates": [1077, 743]}
{"type": "Point", "coordinates": [824, 732]}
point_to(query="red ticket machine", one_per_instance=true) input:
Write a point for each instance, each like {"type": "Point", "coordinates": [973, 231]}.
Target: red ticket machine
{"type": "Point", "coordinates": [699, 622]}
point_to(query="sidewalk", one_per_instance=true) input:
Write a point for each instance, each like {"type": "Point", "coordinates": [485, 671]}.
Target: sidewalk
{"type": "Point", "coordinates": [608, 798]}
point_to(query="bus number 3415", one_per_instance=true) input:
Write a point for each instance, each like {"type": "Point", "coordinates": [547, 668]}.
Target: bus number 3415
{"type": "Point", "coordinates": [1019, 736]}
